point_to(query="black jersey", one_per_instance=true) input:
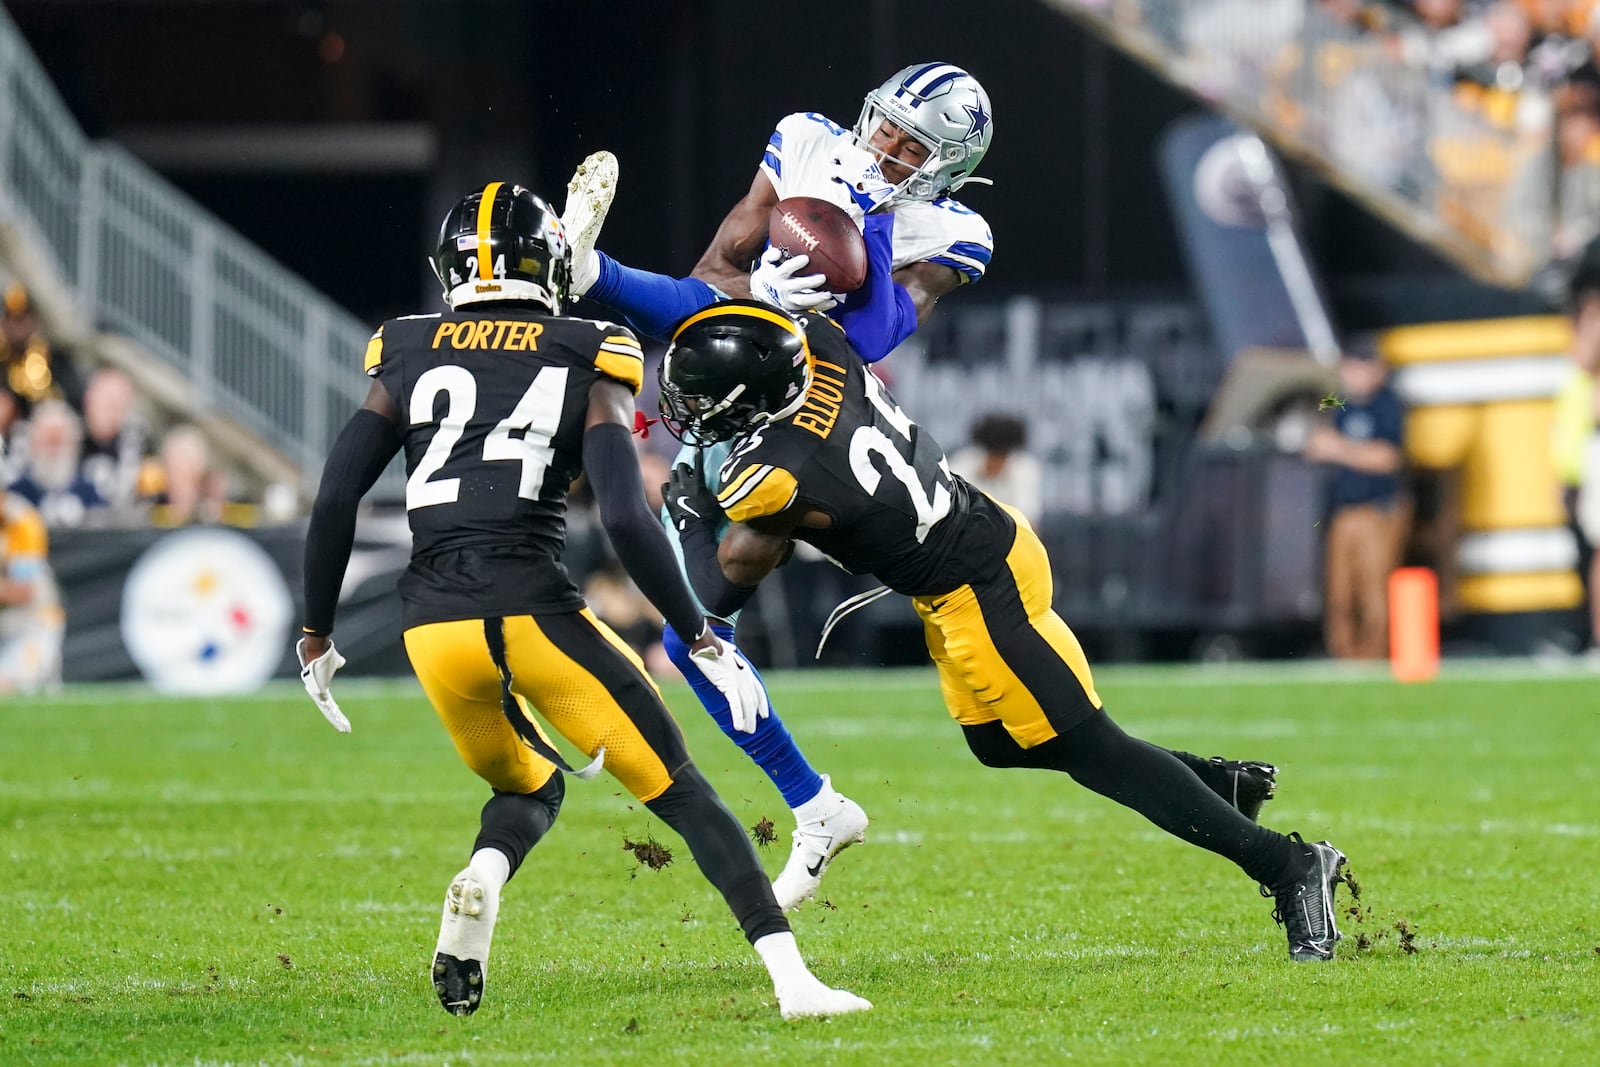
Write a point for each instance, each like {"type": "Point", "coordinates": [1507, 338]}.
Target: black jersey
{"type": "Point", "coordinates": [492, 406]}
{"type": "Point", "coordinates": [898, 513]}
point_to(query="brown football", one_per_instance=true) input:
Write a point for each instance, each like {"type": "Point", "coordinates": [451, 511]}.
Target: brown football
{"type": "Point", "coordinates": [807, 226]}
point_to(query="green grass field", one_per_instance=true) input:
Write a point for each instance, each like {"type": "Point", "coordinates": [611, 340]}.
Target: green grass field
{"type": "Point", "coordinates": [207, 882]}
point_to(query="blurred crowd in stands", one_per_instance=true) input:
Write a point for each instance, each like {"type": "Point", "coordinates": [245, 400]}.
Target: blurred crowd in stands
{"type": "Point", "coordinates": [1486, 112]}
{"type": "Point", "coordinates": [81, 452]}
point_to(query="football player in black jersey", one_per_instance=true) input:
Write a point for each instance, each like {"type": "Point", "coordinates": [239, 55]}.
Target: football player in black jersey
{"type": "Point", "coordinates": [823, 454]}
{"type": "Point", "coordinates": [499, 404]}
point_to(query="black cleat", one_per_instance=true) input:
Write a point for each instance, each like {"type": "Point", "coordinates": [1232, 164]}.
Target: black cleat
{"type": "Point", "coordinates": [459, 983]}
{"type": "Point", "coordinates": [1305, 906]}
{"type": "Point", "coordinates": [1246, 784]}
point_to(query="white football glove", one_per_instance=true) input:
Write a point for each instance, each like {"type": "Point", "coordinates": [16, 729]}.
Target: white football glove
{"type": "Point", "coordinates": [315, 676]}
{"type": "Point", "coordinates": [727, 669]}
{"type": "Point", "coordinates": [778, 281]}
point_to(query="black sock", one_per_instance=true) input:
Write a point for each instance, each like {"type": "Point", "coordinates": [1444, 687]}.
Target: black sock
{"type": "Point", "coordinates": [514, 822]}
{"type": "Point", "coordinates": [1216, 778]}
{"type": "Point", "coordinates": [1152, 781]}
{"type": "Point", "coordinates": [719, 845]}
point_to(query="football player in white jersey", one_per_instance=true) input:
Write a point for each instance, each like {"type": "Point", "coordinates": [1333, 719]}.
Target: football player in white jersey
{"type": "Point", "coordinates": [918, 138]}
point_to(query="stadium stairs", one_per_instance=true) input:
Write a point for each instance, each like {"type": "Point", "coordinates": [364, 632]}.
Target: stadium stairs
{"type": "Point", "coordinates": [126, 270]}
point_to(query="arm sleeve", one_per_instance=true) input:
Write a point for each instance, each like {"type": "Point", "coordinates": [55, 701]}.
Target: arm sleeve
{"type": "Point", "coordinates": [363, 449]}
{"type": "Point", "coordinates": [652, 303]}
{"type": "Point", "coordinates": [881, 314]}
{"type": "Point", "coordinates": [637, 539]}
{"type": "Point", "coordinates": [721, 597]}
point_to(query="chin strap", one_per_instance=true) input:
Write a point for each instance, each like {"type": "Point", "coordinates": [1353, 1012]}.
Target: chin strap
{"type": "Point", "coordinates": [959, 182]}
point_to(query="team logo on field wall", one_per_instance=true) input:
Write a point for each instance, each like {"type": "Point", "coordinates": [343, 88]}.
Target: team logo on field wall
{"type": "Point", "coordinates": [206, 611]}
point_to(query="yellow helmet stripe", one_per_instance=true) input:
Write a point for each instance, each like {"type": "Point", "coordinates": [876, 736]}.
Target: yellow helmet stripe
{"type": "Point", "coordinates": [718, 310]}
{"type": "Point", "coordinates": [485, 213]}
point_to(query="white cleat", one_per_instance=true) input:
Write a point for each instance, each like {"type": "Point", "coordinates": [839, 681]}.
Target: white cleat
{"type": "Point", "coordinates": [461, 961]}
{"type": "Point", "coordinates": [825, 826]}
{"type": "Point", "coordinates": [589, 196]}
{"type": "Point", "coordinates": [816, 1001]}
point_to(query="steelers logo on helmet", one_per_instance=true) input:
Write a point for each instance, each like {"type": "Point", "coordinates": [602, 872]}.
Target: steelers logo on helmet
{"type": "Point", "coordinates": [946, 109]}
{"type": "Point", "coordinates": [502, 242]}
{"type": "Point", "coordinates": [731, 368]}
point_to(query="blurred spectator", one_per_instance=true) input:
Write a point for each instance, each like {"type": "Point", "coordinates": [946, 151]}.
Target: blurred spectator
{"type": "Point", "coordinates": [24, 354]}
{"type": "Point", "coordinates": [27, 364]}
{"type": "Point", "coordinates": [1234, 42]}
{"type": "Point", "coordinates": [1363, 445]}
{"type": "Point", "coordinates": [18, 324]}
{"type": "Point", "coordinates": [1506, 35]}
{"type": "Point", "coordinates": [612, 596]}
{"type": "Point", "coordinates": [31, 620]}
{"type": "Point", "coordinates": [11, 435]}
{"type": "Point", "coordinates": [1437, 14]}
{"type": "Point", "coordinates": [1575, 428]}
{"type": "Point", "coordinates": [997, 461]}
{"type": "Point", "coordinates": [1575, 182]}
{"type": "Point", "coordinates": [654, 468]}
{"type": "Point", "coordinates": [116, 438]}
{"type": "Point", "coordinates": [50, 477]}
{"type": "Point", "coordinates": [1589, 69]}
{"type": "Point", "coordinates": [192, 489]}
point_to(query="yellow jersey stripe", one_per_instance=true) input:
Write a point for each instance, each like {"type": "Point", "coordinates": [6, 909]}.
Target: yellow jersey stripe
{"type": "Point", "coordinates": [623, 350]}
{"type": "Point", "coordinates": [629, 370]}
{"type": "Point", "coordinates": [374, 357]}
{"type": "Point", "coordinates": [732, 484]}
{"type": "Point", "coordinates": [485, 214]}
{"type": "Point", "coordinates": [770, 491]}
{"type": "Point", "coordinates": [622, 339]}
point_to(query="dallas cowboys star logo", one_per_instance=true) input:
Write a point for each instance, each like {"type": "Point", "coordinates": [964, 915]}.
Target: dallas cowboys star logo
{"type": "Point", "coordinates": [980, 120]}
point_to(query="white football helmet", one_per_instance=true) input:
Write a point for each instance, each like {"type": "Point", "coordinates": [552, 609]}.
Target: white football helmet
{"type": "Point", "coordinates": [947, 110]}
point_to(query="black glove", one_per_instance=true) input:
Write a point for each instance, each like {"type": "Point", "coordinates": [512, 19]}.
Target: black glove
{"type": "Point", "coordinates": [689, 500]}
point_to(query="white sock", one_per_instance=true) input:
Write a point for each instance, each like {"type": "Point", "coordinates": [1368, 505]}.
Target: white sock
{"type": "Point", "coordinates": [585, 272]}
{"type": "Point", "coordinates": [782, 957]}
{"type": "Point", "coordinates": [492, 867]}
{"type": "Point", "coordinates": [820, 806]}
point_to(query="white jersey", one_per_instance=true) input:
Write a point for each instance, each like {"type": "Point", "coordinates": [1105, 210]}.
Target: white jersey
{"type": "Point", "coordinates": [810, 155]}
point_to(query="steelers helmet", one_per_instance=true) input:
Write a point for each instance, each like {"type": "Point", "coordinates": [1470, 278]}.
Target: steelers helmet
{"type": "Point", "coordinates": [946, 109]}
{"type": "Point", "coordinates": [731, 367]}
{"type": "Point", "coordinates": [503, 243]}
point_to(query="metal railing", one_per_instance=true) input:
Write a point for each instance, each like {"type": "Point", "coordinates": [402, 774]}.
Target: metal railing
{"type": "Point", "coordinates": [256, 344]}
{"type": "Point", "coordinates": [1370, 109]}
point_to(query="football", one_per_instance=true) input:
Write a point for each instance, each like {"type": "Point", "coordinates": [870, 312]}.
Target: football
{"type": "Point", "coordinates": [807, 226]}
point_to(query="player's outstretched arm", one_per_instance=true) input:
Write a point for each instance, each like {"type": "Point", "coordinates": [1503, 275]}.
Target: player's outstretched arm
{"type": "Point", "coordinates": [360, 453]}
{"type": "Point", "coordinates": [725, 575]}
{"type": "Point", "coordinates": [612, 464]}
{"type": "Point", "coordinates": [642, 547]}
{"type": "Point", "coordinates": [926, 283]}
{"type": "Point", "coordinates": [743, 233]}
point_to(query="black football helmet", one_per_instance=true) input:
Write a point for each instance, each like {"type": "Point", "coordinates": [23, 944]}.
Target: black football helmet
{"type": "Point", "coordinates": [503, 243]}
{"type": "Point", "coordinates": [733, 366]}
